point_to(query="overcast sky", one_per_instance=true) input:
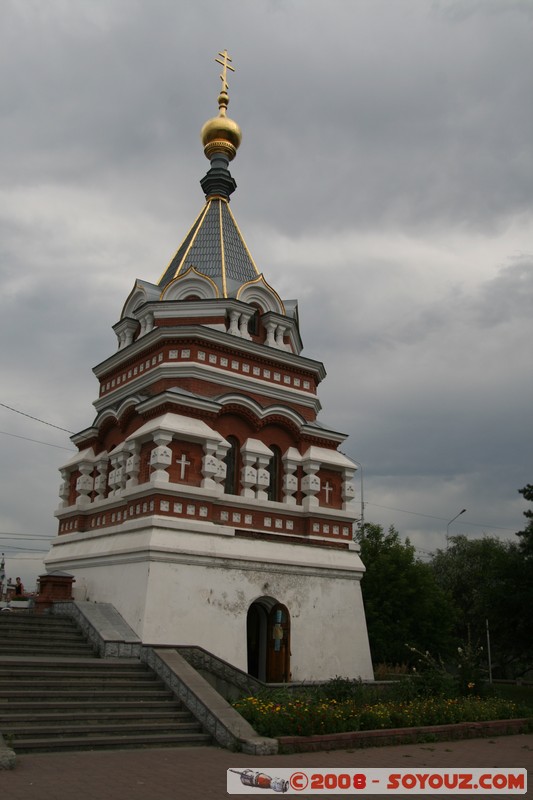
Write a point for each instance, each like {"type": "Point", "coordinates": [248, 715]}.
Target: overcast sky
{"type": "Point", "coordinates": [385, 179]}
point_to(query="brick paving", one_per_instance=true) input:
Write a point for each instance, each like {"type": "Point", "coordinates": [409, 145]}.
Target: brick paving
{"type": "Point", "coordinates": [199, 773]}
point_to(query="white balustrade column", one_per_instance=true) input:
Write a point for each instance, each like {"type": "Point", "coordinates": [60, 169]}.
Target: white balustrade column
{"type": "Point", "coordinates": [263, 477]}
{"type": "Point", "coordinates": [243, 326]}
{"type": "Point", "coordinates": [291, 460]}
{"type": "Point", "coordinates": [280, 333]}
{"type": "Point", "coordinates": [120, 470]}
{"type": "Point", "coordinates": [310, 484]}
{"type": "Point", "coordinates": [84, 484]}
{"type": "Point", "coordinates": [348, 490]}
{"type": "Point", "coordinates": [161, 457]}
{"type": "Point", "coordinates": [64, 488]}
{"type": "Point", "coordinates": [221, 452]}
{"type": "Point", "coordinates": [114, 479]}
{"type": "Point", "coordinates": [234, 323]}
{"type": "Point", "coordinates": [149, 322]}
{"type": "Point", "coordinates": [210, 466]}
{"type": "Point", "coordinates": [270, 331]}
{"type": "Point", "coordinates": [133, 464]}
{"type": "Point", "coordinates": [248, 474]}
{"type": "Point", "coordinates": [100, 481]}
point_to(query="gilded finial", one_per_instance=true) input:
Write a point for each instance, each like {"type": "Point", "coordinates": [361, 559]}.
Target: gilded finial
{"type": "Point", "coordinates": [225, 63]}
{"type": "Point", "coordinates": [222, 134]}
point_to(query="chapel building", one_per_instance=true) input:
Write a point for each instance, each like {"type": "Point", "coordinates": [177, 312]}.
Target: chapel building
{"type": "Point", "coordinates": [206, 501]}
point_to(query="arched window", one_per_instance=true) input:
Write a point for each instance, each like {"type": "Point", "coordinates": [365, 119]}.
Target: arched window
{"type": "Point", "coordinates": [275, 472]}
{"type": "Point", "coordinates": [231, 483]}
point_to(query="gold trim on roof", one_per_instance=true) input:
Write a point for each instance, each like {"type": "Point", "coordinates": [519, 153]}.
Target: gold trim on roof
{"type": "Point", "coordinates": [185, 274]}
{"type": "Point", "coordinates": [199, 220]}
{"type": "Point", "coordinates": [241, 237]}
{"type": "Point", "coordinates": [222, 253]}
{"type": "Point", "coordinates": [260, 279]}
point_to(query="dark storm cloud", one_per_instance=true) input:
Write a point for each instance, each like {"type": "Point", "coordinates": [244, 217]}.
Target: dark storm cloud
{"type": "Point", "coordinates": [424, 117]}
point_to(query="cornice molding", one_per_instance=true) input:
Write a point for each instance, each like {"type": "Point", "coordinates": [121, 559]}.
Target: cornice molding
{"type": "Point", "coordinates": [202, 333]}
{"type": "Point", "coordinates": [243, 384]}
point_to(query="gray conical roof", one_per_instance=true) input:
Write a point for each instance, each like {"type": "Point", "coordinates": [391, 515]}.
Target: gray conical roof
{"type": "Point", "coordinates": [215, 247]}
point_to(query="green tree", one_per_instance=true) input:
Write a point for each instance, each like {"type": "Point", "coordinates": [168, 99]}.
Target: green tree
{"type": "Point", "coordinates": [522, 589]}
{"type": "Point", "coordinates": [485, 579]}
{"type": "Point", "coordinates": [526, 536]}
{"type": "Point", "coordinates": [403, 603]}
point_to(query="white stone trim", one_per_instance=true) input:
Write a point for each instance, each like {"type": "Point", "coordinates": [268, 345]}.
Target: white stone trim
{"type": "Point", "coordinates": [148, 536]}
{"type": "Point", "coordinates": [330, 458]}
{"type": "Point", "coordinates": [187, 428]}
{"type": "Point", "coordinates": [190, 282]}
{"type": "Point", "coordinates": [208, 335]}
{"type": "Point", "coordinates": [259, 292]}
{"type": "Point", "coordinates": [255, 479]}
{"type": "Point", "coordinates": [235, 381]}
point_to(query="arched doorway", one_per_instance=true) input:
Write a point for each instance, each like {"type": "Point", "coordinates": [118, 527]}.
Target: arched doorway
{"type": "Point", "coordinates": [268, 641]}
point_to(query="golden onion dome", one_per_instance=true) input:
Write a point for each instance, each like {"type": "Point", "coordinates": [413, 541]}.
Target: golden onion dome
{"type": "Point", "coordinates": [222, 134]}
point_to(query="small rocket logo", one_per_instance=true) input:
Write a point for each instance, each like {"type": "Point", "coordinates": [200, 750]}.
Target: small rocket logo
{"type": "Point", "coordinates": [261, 781]}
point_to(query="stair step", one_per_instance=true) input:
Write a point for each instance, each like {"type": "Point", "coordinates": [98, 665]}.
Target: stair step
{"type": "Point", "coordinates": [89, 682]}
{"type": "Point", "coordinates": [23, 624]}
{"type": "Point", "coordinates": [30, 631]}
{"type": "Point", "coordinates": [36, 675]}
{"type": "Point", "coordinates": [89, 695]}
{"type": "Point", "coordinates": [49, 663]}
{"type": "Point", "coordinates": [46, 646]}
{"type": "Point", "coordinates": [43, 745]}
{"type": "Point", "coordinates": [32, 617]}
{"type": "Point", "coordinates": [45, 651]}
{"type": "Point", "coordinates": [56, 694]}
{"type": "Point", "coordinates": [21, 732]}
{"type": "Point", "coordinates": [88, 716]}
{"type": "Point", "coordinates": [131, 704]}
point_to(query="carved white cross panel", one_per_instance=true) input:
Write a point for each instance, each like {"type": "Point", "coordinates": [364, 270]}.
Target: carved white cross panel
{"type": "Point", "coordinates": [183, 463]}
{"type": "Point", "coordinates": [327, 490]}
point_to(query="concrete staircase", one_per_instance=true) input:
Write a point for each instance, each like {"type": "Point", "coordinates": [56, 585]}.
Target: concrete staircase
{"type": "Point", "coordinates": [56, 694]}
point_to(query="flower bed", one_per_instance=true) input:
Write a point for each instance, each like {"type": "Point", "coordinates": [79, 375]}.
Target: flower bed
{"type": "Point", "coordinates": [302, 715]}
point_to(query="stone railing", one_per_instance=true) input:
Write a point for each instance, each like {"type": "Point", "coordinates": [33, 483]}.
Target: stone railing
{"type": "Point", "coordinates": [211, 710]}
{"type": "Point", "coordinates": [228, 680]}
{"type": "Point", "coordinates": [102, 625]}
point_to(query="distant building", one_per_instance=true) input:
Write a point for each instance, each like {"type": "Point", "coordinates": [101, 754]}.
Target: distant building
{"type": "Point", "coordinates": [207, 502]}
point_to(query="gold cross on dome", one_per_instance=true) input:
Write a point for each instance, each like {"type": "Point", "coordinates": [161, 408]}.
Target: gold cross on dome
{"type": "Point", "coordinates": [225, 63]}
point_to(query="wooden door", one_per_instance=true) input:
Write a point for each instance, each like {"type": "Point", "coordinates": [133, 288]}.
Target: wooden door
{"type": "Point", "coordinates": [278, 666]}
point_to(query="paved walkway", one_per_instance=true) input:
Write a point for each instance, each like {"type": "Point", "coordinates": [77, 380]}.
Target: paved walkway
{"type": "Point", "coordinates": [199, 773]}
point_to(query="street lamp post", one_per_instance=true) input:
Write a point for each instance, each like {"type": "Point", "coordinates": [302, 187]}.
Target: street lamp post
{"type": "Point", "coordinates": [448, 526]}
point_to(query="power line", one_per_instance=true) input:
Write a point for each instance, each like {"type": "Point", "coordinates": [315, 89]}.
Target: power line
{"type": "Point", "coordinates": [403, 511]}
{"type": "Point", "coordinates": [27, 439]}
{"type": "Point", "coordinates": [17, 548]}
{"type": "Point", "coordinates": [23, 413]}
{"type": "Point", "coordinates": [443, 519]}
{"type": "Point", "coordinates": [9, 535]}
{"type": "Point", "coordinates": [26, 558]}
